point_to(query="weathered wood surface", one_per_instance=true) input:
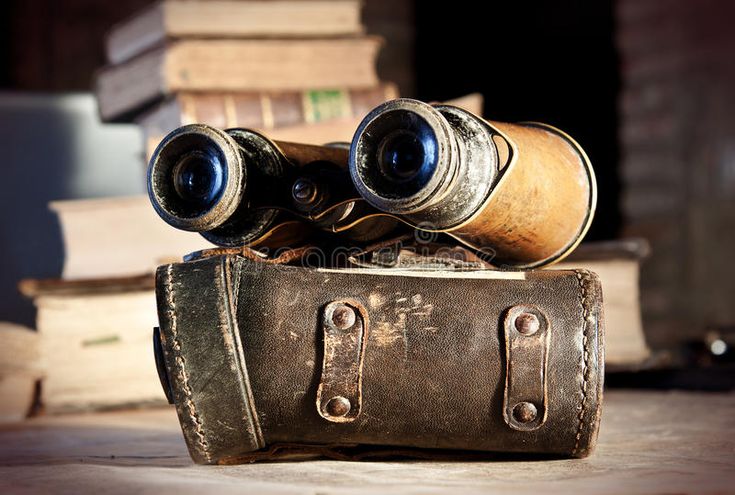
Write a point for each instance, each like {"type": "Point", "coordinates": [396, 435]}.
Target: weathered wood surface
{"type": "Point", "coordinates": [649, 443]}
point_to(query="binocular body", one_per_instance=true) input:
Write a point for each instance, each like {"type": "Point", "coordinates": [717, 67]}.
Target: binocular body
{"type": "Point", "coordinates": [544, 202]}
{"type": "Point", "coordinates": [522, 195]}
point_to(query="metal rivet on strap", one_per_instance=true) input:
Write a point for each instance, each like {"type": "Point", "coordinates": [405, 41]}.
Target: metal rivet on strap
{"type": "Point", "coordinates": [339, 396]}
{"type": "Point", "coordinates": [343, 317]}
{"type": "Point", "coordinates": [338, 406]}
{"type": "Point", "coordinates": [527, 323]}
{"type": "Point", "coordinates": [527, 332]}
{"type": "Point", "coordinates": [525, 412]}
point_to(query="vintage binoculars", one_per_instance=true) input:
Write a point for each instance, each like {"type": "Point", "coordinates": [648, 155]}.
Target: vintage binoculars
{"type": "Point", "coordinates": [523, 195]}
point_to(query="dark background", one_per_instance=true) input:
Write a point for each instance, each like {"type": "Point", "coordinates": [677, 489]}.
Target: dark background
{"type": "Point", "coordinates": [645, 86]}
{"type": "Point", "coordinates": [552, 62]}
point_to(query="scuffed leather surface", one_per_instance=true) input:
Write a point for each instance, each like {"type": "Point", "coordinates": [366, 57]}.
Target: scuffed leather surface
{"type": "Point", "coordinates": [434, 362]}
{"type": "Point", "coordinates": [204, 359]}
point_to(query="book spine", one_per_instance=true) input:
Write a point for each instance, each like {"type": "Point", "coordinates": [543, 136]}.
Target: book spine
{"type": "Point", "coordinates": [274, 110]}
{"type": "Point", "coordinates": [261, 111]}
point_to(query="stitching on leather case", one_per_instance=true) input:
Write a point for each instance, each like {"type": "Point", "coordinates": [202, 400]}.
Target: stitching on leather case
{"type": "Point", "coordinates": [582, 278]}
{"type": "Point", "coordinates": [182, 365]}
{"type": "Point", "coordinates": [236, 266]}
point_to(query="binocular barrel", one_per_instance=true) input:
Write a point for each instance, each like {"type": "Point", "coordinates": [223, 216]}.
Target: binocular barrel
{"type": "Point", "coordinates": [236, 187]}
{"type": "Point", "coordinates": [521, 194]}
{"type": "Point", "coordinates": [524, 194]}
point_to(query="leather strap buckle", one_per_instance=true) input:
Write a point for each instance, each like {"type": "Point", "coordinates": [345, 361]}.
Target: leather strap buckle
{"type": "Point", "coordinates": [344, 326]}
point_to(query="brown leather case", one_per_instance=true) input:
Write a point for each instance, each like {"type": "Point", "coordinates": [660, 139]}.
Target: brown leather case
{"type": "Point", "coordinates": [261, 358]}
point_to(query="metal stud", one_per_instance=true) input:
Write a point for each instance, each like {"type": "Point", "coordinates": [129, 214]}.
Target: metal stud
{"type": "Point", "coordinates": [525, 412]}
{"type": "Point", "coordinates": [304, 191]}
{"type": "Point", "coordinates": [343, 317]}
{"type": "Point", "coordinates": [527, 323]}
{"type": "Point", "coordinates": [338, 406]}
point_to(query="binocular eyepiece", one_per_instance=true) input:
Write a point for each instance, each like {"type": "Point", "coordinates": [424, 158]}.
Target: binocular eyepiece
{"type": "Point", "coordinates": [237, 187]}
{"type": "Point", "coordinates": [407, 157]}
{"type": "Point", "coordinates": [196, 178]}
{"type": "Point", "coordinates": [205, 180]}
{"type": "Point", "coordinates": [397, 155]}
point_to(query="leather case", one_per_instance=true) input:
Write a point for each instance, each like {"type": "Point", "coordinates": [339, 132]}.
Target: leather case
{"type": "Point", "coordinates": [262, 359]}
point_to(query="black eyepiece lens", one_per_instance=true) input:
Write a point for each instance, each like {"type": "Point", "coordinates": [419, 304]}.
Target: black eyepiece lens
{"type": "Point", "coordinates": [395, 154]}
{"type": "Point", "coordinates": [198, 178]}
{"type": "Point", "coordinates": [402, 155]}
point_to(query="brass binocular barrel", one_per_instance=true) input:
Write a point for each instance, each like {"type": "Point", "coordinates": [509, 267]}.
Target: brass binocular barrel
{"type": "Point", "coordinates": [523, 194]}
{"type": "Point", "coordinates": [237, 187]}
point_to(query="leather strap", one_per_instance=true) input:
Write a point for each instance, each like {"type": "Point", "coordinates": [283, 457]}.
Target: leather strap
{"type": "Point", "coordinates": [339, 397]}
{"type": "Point", "coordinates": [527, 336]}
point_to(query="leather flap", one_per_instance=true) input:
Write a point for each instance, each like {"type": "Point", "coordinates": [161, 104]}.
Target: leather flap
{"type": "Point", "coordinates": [204, 359]}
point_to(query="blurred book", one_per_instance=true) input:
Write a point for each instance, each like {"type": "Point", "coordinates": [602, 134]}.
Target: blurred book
{"type": "Point", "coordinates": [20, 371]}
{"type": "Point", "coordinates": [95, 342]}
{"type": "Point", "coordinates": [170, 19]}
{"type": "Point", "coordinates": [54, 147]}
{"type": "Point", "coordinates": [618, 265]}
{"type": "Point", "coordinates": [328, 126]}
{"type": "Point", "coordinates": [336, 130]}
{"type": "Point", "coordinates": [297, 70]}
{"type": "Point", "coordinates": [262, 111]}
{"type": "Point", "coordinates": [122, 236]}
{"type": "Point", "coordinates": [236, 64]}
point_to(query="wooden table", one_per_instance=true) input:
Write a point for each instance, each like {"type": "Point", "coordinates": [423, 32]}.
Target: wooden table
{"type": "Point", "coordinates": [650, 442]}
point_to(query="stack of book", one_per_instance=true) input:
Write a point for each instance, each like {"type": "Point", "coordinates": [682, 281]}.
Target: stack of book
{"type": "Point", "coordinates": [300, 70]}
{"type": "Point", "coordinates": [95, 342]}
{"type": "Point", "coordinates": [297, 69]}
{"type": "Point", "coordinates": [95, 323]}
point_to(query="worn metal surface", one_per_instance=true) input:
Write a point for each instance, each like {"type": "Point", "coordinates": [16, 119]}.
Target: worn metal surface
{"type": "Point", "coordinates": [543, 203]}
{"type": "Point", "coordinates": [525, 412]}
{"type": "Point", "coordinates": [460, 163]}
{"type": "Point", "coordinates": [169, 153]}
